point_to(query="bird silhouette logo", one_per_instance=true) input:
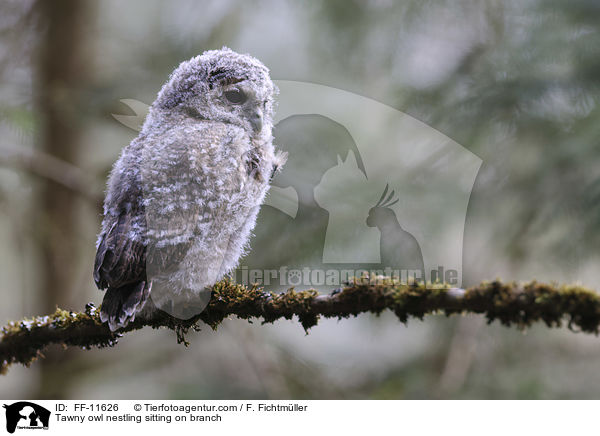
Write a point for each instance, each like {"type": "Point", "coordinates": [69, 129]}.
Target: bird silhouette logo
{"type": "Point", "coordinates": [398, 247]}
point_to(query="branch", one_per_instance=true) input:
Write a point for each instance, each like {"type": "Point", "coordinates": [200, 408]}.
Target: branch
{"type": "Point", "coordinates": [510, 303]}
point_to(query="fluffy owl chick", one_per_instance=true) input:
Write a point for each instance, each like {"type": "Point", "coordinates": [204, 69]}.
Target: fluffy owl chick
{"type": "Point", "coordinates": [182, 199]}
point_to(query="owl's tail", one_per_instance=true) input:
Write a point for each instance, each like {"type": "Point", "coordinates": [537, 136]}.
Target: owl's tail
{"type": "Point", "coordinates": [120, 305]}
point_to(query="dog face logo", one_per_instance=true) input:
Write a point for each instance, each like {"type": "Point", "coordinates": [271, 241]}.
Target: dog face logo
{"type": "Point", "coordinates": [26, 415]}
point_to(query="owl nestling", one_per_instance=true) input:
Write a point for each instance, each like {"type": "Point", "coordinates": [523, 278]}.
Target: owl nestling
{"type": "Point", "coordinates": [182, 198]}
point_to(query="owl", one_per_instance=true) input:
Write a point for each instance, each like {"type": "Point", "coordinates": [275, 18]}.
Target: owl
{"type": "Point", "coordinates": [182, 198]}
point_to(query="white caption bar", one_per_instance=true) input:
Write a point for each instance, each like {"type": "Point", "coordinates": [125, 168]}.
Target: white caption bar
{"type": "Point", "coordinates": [23, 417]}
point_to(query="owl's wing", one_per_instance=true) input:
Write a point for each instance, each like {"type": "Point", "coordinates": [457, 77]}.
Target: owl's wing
{"type": "Point", "coordinates": [120, 266]}
{"type": "Point", "coordinates": [120, 260]}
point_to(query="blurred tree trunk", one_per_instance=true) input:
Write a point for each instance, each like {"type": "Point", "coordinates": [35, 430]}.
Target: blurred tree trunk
{"type": "Point", "coordinates": [61, 77]}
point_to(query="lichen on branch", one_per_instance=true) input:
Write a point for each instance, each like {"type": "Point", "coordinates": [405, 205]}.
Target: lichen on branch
{"type": "Point", "coordinates": [510, 303]}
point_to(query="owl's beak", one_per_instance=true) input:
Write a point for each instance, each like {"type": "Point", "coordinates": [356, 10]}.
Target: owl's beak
{"type": "Point", "coordinates": [256, 120]}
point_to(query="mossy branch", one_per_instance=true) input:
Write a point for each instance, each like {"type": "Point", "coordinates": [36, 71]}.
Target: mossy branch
{"type": "Point", "coordinates": [510, 303]}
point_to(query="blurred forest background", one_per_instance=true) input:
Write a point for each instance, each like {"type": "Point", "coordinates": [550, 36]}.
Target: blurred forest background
{"type": "Point", "coordinates": [514, 81]}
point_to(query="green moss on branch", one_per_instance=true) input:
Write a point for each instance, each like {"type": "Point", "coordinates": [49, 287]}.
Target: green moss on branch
{"type": "Point", "coordinates": [510, 303]}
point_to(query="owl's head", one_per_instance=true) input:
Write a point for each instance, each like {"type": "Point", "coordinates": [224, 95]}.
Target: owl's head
{"type": "Point", "coordinates": [221, 85]}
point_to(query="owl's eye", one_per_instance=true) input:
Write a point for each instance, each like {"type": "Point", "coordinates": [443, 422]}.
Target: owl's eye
{"type": "Point", "coordinates": [235, 96]}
